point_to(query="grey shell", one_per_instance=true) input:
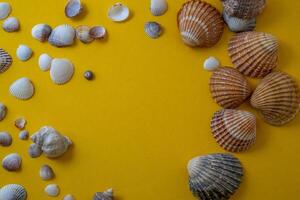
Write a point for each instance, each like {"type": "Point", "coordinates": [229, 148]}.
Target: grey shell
{"type": "Point", "coordinates": [153, 29]}
{"type": "Point", "coordinates": [13, 192]}
{"type": "Point", "coordinates": [239, 25]}
{"type": "Point", "coordinates": [5, 60]}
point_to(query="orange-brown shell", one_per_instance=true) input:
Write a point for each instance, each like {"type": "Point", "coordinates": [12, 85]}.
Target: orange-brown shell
{"type": "Point", "coordinates": [200, 24]}
{"type": "Point", "coordinates": [228, 87]}
{"type": "Point", "coordinates": [277, 98]}
{"type": "Point", "coordinates": [254, 54]}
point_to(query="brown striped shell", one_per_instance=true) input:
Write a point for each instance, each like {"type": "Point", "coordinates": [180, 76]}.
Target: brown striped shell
{"type": "Point", "coordinates": [254, 54]}
{"type": "Point", "coordinates": [234, 130]}
{"type": "Point", "coordinates": [5, 60]}
{"type": "Point", "coordinates": [228, 87]}
{"type": "Point", "coordinates": [200, 24]}
{"type": "Point", "coordinates": [277, 98]}
{"type": "Point", "coordinates": [244, 9]}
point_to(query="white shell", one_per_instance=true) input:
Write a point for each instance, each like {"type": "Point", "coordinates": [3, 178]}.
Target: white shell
{"type": "Point", "coordinates": [34, 151]}
{"type": "Point", "coordinates": [3, 111]}
{"type": "Point", "coordinates": [153, 29]}
{"type": "Point", "coordinates": [46, 173]}
{"type": "Point", "coordinates": [158, 7]}
{"type": "Point", "coordinates": [41, 32]}
{"type": "Point", "coordinates": [5, 10]}
{"type": "Point", "coordinates": [239, 25]}
{"type": "Point", "coordinates": [61, 71]}
{"type": "Point", "coordinates": [13, 192]}
{"type": "Point", "coordinates": [211, 64]}
{"type": "Point", "coordinates": [97, 32]}
{"type": "Point", "coordinates": [22, 89]}
{"type": "Point", "coordinates": [24, 135]}
{"type": "Point", "coordinates": [69, 197]}
{"type": "Point", "coordinates": [5, 139]}
{"type": "Point", "coordinates": [73, 8]}
{"type": "Point", "coordinates": [24, 52]}
{"type": "Point", "coordinates": [20, 123]}
{"type": "Point", "coordinates": [106, 195]}
{"type": "Point", "coordinates": [11, 24]}
{"type": "Point", "coordinates": [45, 62]}
{"type": "Point", "coordinates": [83, 34]}
{"type": "Point", "coordinates": [12, 162]}
{"type": "Point", "coordinates": [52, 190]}
{"type": "Point", "coordinates": [62, 35]}
{"type": "Point", "coordinates": [118, 12]}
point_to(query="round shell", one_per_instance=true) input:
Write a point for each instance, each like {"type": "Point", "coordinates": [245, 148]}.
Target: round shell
{"type": "Point", "coordinates": [97, 32]}
{"type": "Point", "coordinates": [73, 8]}
{"type": "Point", "coordinates": [69, 197]}
{"type": "Point", "coordinates": [214, 176]}
{"type": "Point", "coordinates": [106, 195]}
{"type": "Point", "coordinates": [254, 54]}
{"type": "Point", "coordinates": [24, 135]}
{"type": "Point", "coordinates": [22, 89]}
{"type": "Point", "coordinates": [12, 162]}
{"type": "Point", "coordinates": [62, 35]}
{"type": "Point", "coordinates": [13, 192]}
{"type": "Point", "coordinates": [52, 190]}
{"type": "Point", "coordinates": [158, 7]}
{"type": "Point", "coordinates": [45, 62]}
{"type": "Point", "coordinates": [277, 98]}
{"type": "Point", "coordinates": [61, 71]}
{"type": "Point", "coordinates": [20, 123]}
{"type": "Point", "coordinates": [5, 139]}
{"type": "Point", "coordinates": [83, 34]}
{"type": "Point", "coordinates": [239, 25]}
{"type": "Point", "coordinates": [200, 24]}
{"type": "Point", "coordinates": [211, 64]}
{"type": "Point", "coordinates": [5, 60]}
{"type": "Point", "coordinates": [228, 87]}
{"type": "Point", "coordinates": [153, 29]}
{"type": "Point", "coordinates": [118, 12]}
{"type": "Point", "coordinates": [11, 24]}
{"type": "Point", "coordinates": [3, 111]}
{"type": "Point", "coordinates": [24, 52]}
{"type": "Point", "coordinates": [34, 151]}
{"type": "Point", "coordinates": [5, 10]}
{"type": "Point", "coordinates": [41, 32]}
{"type": "Point", "coordinates": [244, 9]}
{"type": "Point", "coordinates": [46, 173]}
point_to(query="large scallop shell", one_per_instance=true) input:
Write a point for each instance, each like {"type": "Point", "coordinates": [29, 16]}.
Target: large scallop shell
{"type": "Point", "coordinates": [200, 24]}
{"type": "Point", "coordinates": [5, 60]}
{"type": "Point", "coordinates": [158, 7]}
{"type": "Point", "coordinates": [228, 87]}
{"type": "Point", "coordinates": [118, 12]}
{"type": "Point", "coordinates": [5, 139]}
{"type": "Point", "coordinates": [214, 176]}
{"type": "Point", "coordinates": [62, 35]}
{"type": "Point", "coordinates": [239, 25]}
{"type": "Point", "coordinates": [11, 24]}
{"type": "Point", "coordinates": [244, 9]}
{"type": "Point", "coordinates": [3, 111]}
{"type": "Point", "coordinates": [5, 10]}
{"type": "Point", "coordinates": [13, 192]}
{"type": "Point", "coordinates": [254, 54]}
{"type": "Point", "coordinates": [277, 98]}
{"type": "Point", "coordinates": [61, 71]}
{"type": "Point", "coordinates": [41, 32]}
{"type": "Point", "coordinates": [22, 89]}
{"type": "Point", "coordinates": [73, 8]}
{"type": "Point", "coordinates": [12, 162]}
{"type": "Point", "coordinates": [106, 195]}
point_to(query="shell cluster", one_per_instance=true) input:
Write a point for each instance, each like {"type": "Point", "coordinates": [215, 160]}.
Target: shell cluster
{"type": "Point", "coordinates": [13, 192]}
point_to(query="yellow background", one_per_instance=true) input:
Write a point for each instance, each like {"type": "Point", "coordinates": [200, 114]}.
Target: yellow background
{"type": "Point", "coordinates": [147, 112]}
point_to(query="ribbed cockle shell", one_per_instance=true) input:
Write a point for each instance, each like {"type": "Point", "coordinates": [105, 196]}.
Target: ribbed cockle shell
{"type": "Point", "coordinates": [106, 195]}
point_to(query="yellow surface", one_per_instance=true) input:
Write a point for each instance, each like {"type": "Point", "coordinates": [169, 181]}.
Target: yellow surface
{"type": "Point", "coordinates": [147, 113]}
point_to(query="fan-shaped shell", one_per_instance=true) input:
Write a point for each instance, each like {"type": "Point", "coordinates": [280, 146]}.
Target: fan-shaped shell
{"type": "Point", "coordinates": [5, 139]}
{"type": "Point", "coordinates": [214, 176]}
{"type": "Point", "coordinates": [228, 87]}
{"type": "Point", "coordinates": [62, 35]}
{"type": "Point", "coordinates": [200, 24]}
{"type": "Point", "coordinates": [244, 9]}
{"type": "Point", "coordinates": [61, 71]}
{"type": "Point", "coordinates": [118, 12]}
{"type": "Point", "coordinates": [52, 190]}
{"type": "Point", "coordinates": [106, 195]}
{"type": "Point", "coordinates": [34, 151]}
{"type": "Point", "coordinates": [254, 54]}
{"type": "Point", "coordinates": [73, 8]}
{"type": "Point", "coordinates": [13, 192]}
{"type": "Point", "coordinates": [83, 34]}
{"type": "Point", "coordinates": [45, 62]}
{"type": "Point", "coordinates": [98, 32]}
{"type": "Point", "coordinates": [46, 172]}
{"type": "Point", "coordinates": [3, 111]}
{"type": "Point", "coordinates": [158, 7]}
{"type": "Point", "coordinates": [153, 29]}
{"type": "Point", "coordinates": [12, 162]}
{"type": "Point", "coordinates": [277, 98]}
{"type": "Point", "coordinates": [24, 52]}
{"type": "Point", "coordinates": [239, 25]}
{"type": "Point", "coordinates": [11, 24]}
{"type": "Point", "coordinates": [41, 32]}
{"type": "Point", "coordinates": [5, 10]}
{"type": "Point", "coordinates": [5, 60]}
{"type": "Point", "coordinates": [22, 89]}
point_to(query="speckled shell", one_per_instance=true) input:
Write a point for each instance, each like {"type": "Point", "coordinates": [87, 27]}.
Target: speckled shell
{"type": "Point", "coordinates": [34, 151]}
{"type": "Point", "coordinates": [277, 98]}
{"type": "Point", "coordinates": [83, 34]}
{"type": "Point", "coordinates": [244, 9]}
{"type": "Point", "coordinates": [254, 54]}
{"type": "Point", "coordinates": [214, 176]}
{"type": "Point", "coordinates": [158, 7]}
{"type": "Point", "coordinates": [5, 139]}
{"type": "Point", "coordinates": [61, 71]}
{"type": "Point", "coordinates": [228, 87]}
{"type": "Point", "coordinates": [5, 10]}
{"type": "Point", "coordinates": [106, 195]}
{"type": "Point", "coordinates": [62, 35]}
{"type": "Point", "coordinates": [13, 192]}
{"type": "Point", "coordinates": [46, 173]}
{"type": "Point", "coordinates": [3, 111]}
{"type": "Point", "coordinates": [200, 24]}
{"type": "Point", "coordinates": [239, 25]}
{"type": "Point", "coordinates": [73, 8]}
{"type": "Point", "coordinates": [22, 89]}
{"type": "Point", "coordinates": [11, 24]}
{"type": "Point", "coordinates": [153, 29]}
{"type": "Point", "coordinates": [12, 162]}
{"type": "Point", "coordinates": [52, 190]}
{"type": "Point", "coordinates": [41, 32]}
{"type": "Point", "coordinates": [5, 60]}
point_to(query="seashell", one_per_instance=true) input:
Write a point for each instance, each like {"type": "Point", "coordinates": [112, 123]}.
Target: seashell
{"type": "Point", "coordinates": [158, 7]}
{"type": "Point", "coordinates": [73, 8]}
{"type": "Point", "coordinates": [88, 75]}
{"type": "Point", "coordinates": [153, 29]}
{"type": "Point", "coordinates": [3, 111]}
{"type": "Point", "coordinates": [83, 34]}
{"type": "Point", "coordinates": [211, 64]}
{"type": "Point", "coordinates": [118, 12]}
{"type": "Point", "coordinates": [106, 195]}
{"type": "Point", "coordinates": [51, 141]}
{"type": "Point", "coordinates": [277, 98]}
{"type": "Point", "coordinates": [24, 135]}
{"type": "Point", "coordinates": [12, 162]}
{"type": "Point", "coordinates": [22, 89]}
{"type": "Point", "coordinates": [11, 24]}
{"type": "Point", "coordinates": [46, 172]}
{"type": "Point", "coordinates": [62, 36]}
{"type": "Point", "coordinates": [244, 9]}
{"type": "Point", "coordinates": [200, 24]}
{"type": "Point", "coordinates": [97, 32]}
{"type": "Point", "coordinates": [214, 176]}
{"type": "Point", "coordinates": [5, 10]}
{"type": "Point", "coordinates": [239, 25]}
{"type": "Point", "coordinates": [13, 192]}
{"type": "Point", "coordinates": [24, 52]}
{"type": "Point", "coordinates": [228, 87]}
{"type": "Point", "coordinates": [20, 123]}
{"type": "Point", "coordinates": [5, 60]}
{"type": "Point", "coordinates": [5, 139]}
{"type": "Point", "coordinates": [52, 190]}
{"type": "Point", "coordinates": [45, 62]}
{"type": "Point", "coordinates": [34, 151]}
{"type": "Point", "coordinates": [254, 54]}
{"type": "Point", "coordinates": [41, 32]}
{"type": "Point", "coordinates": [61, 71]}
{"type": "Point", "coordinates": [69, 197]}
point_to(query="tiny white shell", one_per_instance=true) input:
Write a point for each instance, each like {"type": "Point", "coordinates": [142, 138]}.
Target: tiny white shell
{"type": "Point", "coordinates": [34, 150]}
{"type": "Point", "coordinates": [5, 139]}
{"type": "Point", "coordinates": [46, 172]}
{"type": "Point", "coordinates": [24, 135]}
{"type": "Point", "coordinates": [62, 35]}
{"type": "Point", "coordinates": [12, 162]}
{"type": "Point", "coordinates": [45, 62]}
{"type": "Point", "coordinates": [69, 197]}
{"type": "Point", "coordinates": [41, 32]}
{"type": "Point", "coordinates": [158, 7]}
{"type": "Point", "coordinates": [5, 10]}
{"type": "Point", "coordinates": [3, 111]}
{"type": "Point", "coordinates": [83, 34]}
{"type": "Point", "coordinates": [11, 24]}
{"type": "Point", "coordinates": [13, 192]}
{"type": "Point", "coordinates": [211, 64]}
{"type": "Point", "coordinates": [61, 71]}
{"type": "Point", "coordinates": [20, 123]}
{"type": "Point", "coordinates": [24, 52]}
{"type": "Point", "coordinates": [22, 89]}
{"type": "Point", "coordinates": [118, 12]}
{"type": "Point", "coordinates": [73, 8]}
{"type": "Point", "coordinates": [52, 190]}
{"type": "Point", "coordinates": [239, 25]}
{"type": "Point", "coordinates": [98, 32]}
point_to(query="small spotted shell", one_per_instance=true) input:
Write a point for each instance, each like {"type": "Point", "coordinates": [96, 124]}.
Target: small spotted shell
{"type": "Point", "coordinates": [61, 71]}
{"type": "Point", "coordinates": [5, 139]}
{"type": "Point", "coordinates": [12, 162]}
